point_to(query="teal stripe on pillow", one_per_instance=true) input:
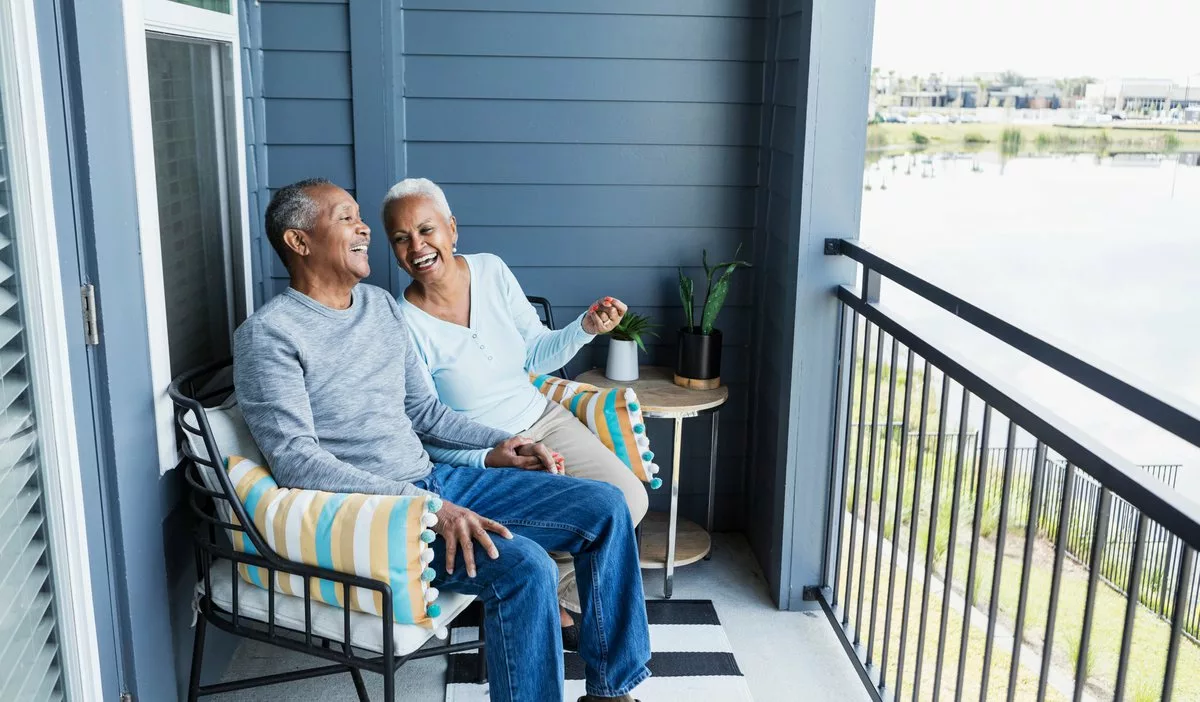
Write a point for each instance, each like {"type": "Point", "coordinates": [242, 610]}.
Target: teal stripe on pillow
{"type": "Point", "coordinates": [251, 502]}
{"type": "Point", "coordinates": [324, 543]}
{"type": "Point", "coordinates": [614, 427]}
{"type": "Point", "coordinates": [397, 537]}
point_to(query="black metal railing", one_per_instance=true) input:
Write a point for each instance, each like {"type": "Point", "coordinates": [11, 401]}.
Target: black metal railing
{"type": "Point", "coordinates": [980, 546]}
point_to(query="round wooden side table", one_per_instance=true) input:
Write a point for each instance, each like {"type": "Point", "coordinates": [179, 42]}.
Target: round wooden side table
{"type": "Point", "coordinates": [666, 540]}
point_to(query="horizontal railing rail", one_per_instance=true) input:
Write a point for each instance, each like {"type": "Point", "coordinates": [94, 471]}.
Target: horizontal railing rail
{"type": "Point", "coordinates": [1175, 414]}
{"type": "Point", "coordinates": [959, 565]}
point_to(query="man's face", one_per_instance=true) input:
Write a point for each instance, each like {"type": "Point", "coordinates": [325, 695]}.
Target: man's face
{"type": "Point", "coordinates": [337, 245]}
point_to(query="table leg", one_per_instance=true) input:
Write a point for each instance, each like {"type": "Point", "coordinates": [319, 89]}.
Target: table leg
{"type": "Point", "coordinates": [668, 585]}
{"type": "Point", "coordinates": [712, 477]}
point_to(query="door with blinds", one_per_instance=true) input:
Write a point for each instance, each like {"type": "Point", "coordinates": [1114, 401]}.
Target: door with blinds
{"type": "Point", "coordinates": [47, 635]}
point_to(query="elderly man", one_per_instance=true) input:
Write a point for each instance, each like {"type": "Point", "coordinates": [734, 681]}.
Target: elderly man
{"type": "Point", "coordinates": [328, 381]}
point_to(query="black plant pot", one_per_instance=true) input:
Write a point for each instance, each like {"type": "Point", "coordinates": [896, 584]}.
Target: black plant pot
{"type": "Point", "coordinates": [698, 364]}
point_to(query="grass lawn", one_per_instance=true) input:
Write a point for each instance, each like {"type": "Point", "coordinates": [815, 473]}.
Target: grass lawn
{"type": "Point", "coordinates": [1033, 136]}
{"type": "Point", "coordinates": [1151, 634]}
{"type": "Point", "coordinates": [973, 674]}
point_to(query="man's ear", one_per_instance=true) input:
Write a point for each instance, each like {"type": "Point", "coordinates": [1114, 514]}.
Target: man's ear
{"type": "Point", "coordinates": [297, 241]}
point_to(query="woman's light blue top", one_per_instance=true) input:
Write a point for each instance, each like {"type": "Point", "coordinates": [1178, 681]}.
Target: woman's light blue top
{"type": "Point", "coordinates": [482, 369]}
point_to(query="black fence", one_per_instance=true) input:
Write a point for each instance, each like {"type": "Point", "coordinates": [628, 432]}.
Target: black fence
{"type": "Point", "coordinates": [1163, 549]}
{"type": "Point", "coordinates": [959, 568]}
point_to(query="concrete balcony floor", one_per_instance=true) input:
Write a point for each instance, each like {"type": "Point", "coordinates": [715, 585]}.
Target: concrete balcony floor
{"type": "Point", "coordinates": [784, 655]}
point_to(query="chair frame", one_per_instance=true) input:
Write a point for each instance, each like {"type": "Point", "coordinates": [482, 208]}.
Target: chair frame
{"type": "Point", "coordinates": [547, 318]}
{"type": "Point", "coordinates": [188, 394]}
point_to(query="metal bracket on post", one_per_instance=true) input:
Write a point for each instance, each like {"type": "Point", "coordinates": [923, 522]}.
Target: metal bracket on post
{"type": "Point", "coordinates": [872, 281]}
{"type": "Point", "coordinates": [833, 247]}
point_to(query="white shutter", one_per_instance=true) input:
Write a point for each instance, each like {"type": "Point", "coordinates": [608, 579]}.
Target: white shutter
{"type": "Point", "coordinates": [29, 656]}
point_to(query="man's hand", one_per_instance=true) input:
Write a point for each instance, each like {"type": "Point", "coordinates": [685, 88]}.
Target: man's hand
{"type": "Point", "coordinates": [523, 453]}
{"type": "Point", "coordinates": [461, 528]}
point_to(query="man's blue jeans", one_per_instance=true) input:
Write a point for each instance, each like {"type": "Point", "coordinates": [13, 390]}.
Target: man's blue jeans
{"type": "Point", "coordinates": [519, 590]}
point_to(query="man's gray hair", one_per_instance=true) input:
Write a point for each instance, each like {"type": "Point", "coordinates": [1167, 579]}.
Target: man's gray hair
{"type": "Point", "coordinates": [417, 187]}
{"type": "Point", "coordinates": [291, 207]}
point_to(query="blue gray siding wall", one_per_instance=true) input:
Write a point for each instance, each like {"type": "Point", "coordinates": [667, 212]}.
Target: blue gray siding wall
{"type": "Point", "coordinates": [813, 145]}
{"type": "Point", "coordinates": [775, 258]}
{"type": "Point", "coordinates": [314, 112]}
{"type": "Point", "coordinates": [303, 49]}
{"type": "Point", "coordinates": [596, 146]}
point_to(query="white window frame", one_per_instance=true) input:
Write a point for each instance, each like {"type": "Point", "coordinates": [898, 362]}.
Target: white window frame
{"type": "Point", "coordinates": [50, 371]}
{"type": "Point", "coordinates": [185, 21]}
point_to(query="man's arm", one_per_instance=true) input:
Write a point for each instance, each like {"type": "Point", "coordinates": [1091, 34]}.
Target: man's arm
{"type": "Point", "coordinates": [271, 392]}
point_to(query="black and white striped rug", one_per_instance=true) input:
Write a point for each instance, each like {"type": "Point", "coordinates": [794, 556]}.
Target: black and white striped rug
{"type": "Point", "coordinates": [691, 659]}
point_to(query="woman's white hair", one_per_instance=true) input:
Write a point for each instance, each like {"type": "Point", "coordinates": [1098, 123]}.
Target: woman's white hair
{"type": "Point", "coordinates": [417, 187]}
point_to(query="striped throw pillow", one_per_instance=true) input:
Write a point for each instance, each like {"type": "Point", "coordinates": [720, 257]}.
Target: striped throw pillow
{"type": "Point", "coordinates": [613, 415]}
{"type": "Point", "coordinates": [382, 537]}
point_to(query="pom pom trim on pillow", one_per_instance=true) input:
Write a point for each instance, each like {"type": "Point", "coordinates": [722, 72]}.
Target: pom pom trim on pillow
{"type": "Point", "coordinates": [383, 537]}
{"type": "Point", "coordinates": [614, 415]}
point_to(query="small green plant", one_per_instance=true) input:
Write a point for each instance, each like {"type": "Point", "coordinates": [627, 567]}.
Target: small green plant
{"type": "Point", "coordinates": [1073, 654]}
{"type": "Point", "coordinates": [1010, 141]}
{"type": "Point", "coordinates": [974, 138]}
{"type": "Point", "coordinates": [714, 297]}
{"type": "Point", "coordinates": [1143, 690]}
{"type": "Point", "coordinates": [919, 139]}
{"type": "Point", "coordinates": [633, 327]}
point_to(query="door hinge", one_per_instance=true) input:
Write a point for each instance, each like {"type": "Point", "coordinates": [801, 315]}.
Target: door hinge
{"type": "Point", "coordinates": [91, 327]}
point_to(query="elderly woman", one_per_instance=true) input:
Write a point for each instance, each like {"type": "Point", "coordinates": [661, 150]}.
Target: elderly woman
{"type": "Point", "coordinates": [480, 339]}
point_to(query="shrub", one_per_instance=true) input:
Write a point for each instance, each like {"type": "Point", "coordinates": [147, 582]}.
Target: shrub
{"type": "Point", "coordinates": [1010, 140]}
{"type": "Point", "coordinates": [974, 138]}
{"type": "Point", "coordinates": [919, 138]}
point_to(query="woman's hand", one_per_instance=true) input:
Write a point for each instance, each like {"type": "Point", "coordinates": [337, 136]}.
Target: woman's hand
{"type": "Point", "coordinates": [604, 316]}
{"type": "Point", "coordinates": [461, 528]}
{"type": "Point", "coordinates": [523, 453]}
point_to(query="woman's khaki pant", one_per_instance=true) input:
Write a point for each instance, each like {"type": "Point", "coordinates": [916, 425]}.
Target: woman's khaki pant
{"type": "Point", "coordinates": [585, 457]}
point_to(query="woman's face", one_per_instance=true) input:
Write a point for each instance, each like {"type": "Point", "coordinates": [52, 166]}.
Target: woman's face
{"type": "Point", "coordinates": [422, 238]}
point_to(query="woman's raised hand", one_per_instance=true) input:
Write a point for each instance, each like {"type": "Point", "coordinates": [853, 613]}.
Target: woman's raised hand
{"type": "Point", "coordinates": [604, 315]}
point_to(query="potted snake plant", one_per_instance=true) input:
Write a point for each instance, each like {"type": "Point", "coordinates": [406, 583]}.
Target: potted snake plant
{"type": "Point", "coordinates": [698, 362]}
{"type": "Point", "coordinates": [623, 348]}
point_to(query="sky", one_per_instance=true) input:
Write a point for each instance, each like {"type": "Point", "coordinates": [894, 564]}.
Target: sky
{"type": "Point", "coordinates": [1099, 38]}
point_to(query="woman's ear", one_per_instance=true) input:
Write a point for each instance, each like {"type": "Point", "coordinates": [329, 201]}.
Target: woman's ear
{"type": "Point", "coordinates": [297, 241]}
{"type": "Point", "coordinates": [453, 232]}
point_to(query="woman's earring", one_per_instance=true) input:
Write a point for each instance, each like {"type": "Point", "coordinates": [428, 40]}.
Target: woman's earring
{"type": "Point", "coordinates": [454, 248]}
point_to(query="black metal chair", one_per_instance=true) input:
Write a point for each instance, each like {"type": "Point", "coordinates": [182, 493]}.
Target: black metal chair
{"type": "Point", "coordinates": [213, 500]}
{"type": "Point", "coordinates": [546, 315]}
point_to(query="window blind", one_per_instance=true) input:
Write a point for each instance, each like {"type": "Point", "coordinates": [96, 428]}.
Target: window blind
{"type": "Point", "coordinates": [29, 653]}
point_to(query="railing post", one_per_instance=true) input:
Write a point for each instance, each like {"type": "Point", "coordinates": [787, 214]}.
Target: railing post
{"type": "Point", "coordinates": [871, 282]}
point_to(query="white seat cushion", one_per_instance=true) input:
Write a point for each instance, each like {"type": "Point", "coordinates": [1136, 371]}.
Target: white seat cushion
{"type": "Point", "coordinates": [232, 436]}
{"type": "Point", "coordinates": [365, 629]}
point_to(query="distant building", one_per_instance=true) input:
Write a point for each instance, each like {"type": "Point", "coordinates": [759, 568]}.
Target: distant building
{"type": "Point", "coordinates": [1142, 95]}
{"type": "Point", "coordinates": [923, 98]}
{"type": "Point", "coordinates": [962, 93]}
{"type": "Point", "coordinates": [1036, 94]}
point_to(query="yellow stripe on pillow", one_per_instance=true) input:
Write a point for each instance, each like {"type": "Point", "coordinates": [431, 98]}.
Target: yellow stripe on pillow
{"type": "Point", "coordinates": [382, 537]}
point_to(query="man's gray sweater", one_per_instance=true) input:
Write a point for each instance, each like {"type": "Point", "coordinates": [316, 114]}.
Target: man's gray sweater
{"type": "Point", "coordinates": [335, 398]}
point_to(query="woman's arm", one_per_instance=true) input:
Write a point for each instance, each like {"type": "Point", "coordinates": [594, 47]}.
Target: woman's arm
{"type": "Point", "coordinates": [546, 350]}
{"type": "Point", "coordinates": [472, 458]}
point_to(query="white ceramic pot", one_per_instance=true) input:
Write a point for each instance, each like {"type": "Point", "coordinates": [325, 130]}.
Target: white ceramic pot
{"type": "Point", "coordinates": [622, 361]}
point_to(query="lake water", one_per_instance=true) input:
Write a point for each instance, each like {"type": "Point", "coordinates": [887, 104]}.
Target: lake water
{"type": "Point", "coordinates": [1103, 253]}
